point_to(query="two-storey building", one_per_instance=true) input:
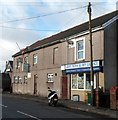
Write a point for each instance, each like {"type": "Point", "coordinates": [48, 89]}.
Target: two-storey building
{"type": "Point", "coordinates": [62, 61]}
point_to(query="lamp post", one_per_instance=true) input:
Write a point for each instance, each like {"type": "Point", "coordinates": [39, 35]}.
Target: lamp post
{"type": "Point", "coordinates": [91, 53]}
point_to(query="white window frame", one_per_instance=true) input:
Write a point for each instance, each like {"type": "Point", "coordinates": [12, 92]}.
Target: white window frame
{"type": "Point", "coordinates": [50, 77]}
{"type": "Point", "coordinates": [76, 47]}
{"type": "Point", "coordinates": [77, 83]}
{"type": "Point", "coordinates": [35, 58]}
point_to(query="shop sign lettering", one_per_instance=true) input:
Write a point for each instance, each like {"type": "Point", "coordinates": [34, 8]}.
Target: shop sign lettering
{"type": "Point", "coordinates": [82, 65]}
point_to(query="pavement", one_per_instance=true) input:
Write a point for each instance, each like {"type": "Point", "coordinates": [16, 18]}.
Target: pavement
{"type": "Point", "coordinates": [109, 113]}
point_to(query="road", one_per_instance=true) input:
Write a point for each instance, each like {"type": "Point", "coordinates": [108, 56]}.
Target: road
{"type": "Point", "coordinates": [13, 107]}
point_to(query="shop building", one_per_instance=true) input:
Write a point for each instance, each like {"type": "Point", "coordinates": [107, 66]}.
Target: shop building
{"type": "Point", "coordinates": [62, 61]}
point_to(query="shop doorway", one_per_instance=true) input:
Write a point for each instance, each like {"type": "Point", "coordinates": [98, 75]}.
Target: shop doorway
{"type": "Point", "coordinates": [35, 84]}
{"type": "Point", "coordinates": [64, 87]}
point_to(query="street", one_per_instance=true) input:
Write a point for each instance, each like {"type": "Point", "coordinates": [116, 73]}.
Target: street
{"type": "Point", "coordinates": [13, 107]}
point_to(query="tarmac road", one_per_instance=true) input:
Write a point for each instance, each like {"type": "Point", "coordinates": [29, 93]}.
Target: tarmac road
{"type": "Point", "coordinates": [13, 107]}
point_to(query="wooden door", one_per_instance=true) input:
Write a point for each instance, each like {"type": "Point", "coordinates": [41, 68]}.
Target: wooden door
{"type": "Point", "coordinates": [64, 87]}
{"type": "Point", "coordinates": [35, 84]}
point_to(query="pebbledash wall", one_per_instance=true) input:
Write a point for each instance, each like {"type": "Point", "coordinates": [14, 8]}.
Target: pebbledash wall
{"type": "Point", "coordinates": [62, 63]}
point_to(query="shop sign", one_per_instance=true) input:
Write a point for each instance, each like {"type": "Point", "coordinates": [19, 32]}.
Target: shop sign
{"type": "Point", "coordinates": [82, 65]}
{"type": "Point", "coordinates": [78, 70]}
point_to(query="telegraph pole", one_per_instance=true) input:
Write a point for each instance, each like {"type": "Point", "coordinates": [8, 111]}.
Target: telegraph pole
{"type": "Point", "coordinates": [91, 53]}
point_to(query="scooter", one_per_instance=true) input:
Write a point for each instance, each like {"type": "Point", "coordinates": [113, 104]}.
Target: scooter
{"type": "Point", "coordinates": [52, 97]}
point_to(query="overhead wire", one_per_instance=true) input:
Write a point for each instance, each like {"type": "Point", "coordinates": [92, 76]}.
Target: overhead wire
{"type": "Point", "coordinates": [25, 28]}
{"type": "Point", "coordinates": [34, 17]}
{"type": "Point", "coordinates": [59, 12]}
{"type": "Point", "coordinates": [72, 20]}
{"type": "Point", "coordinates": [37, 17]}
{"type": "Point", "coordinates": [38, 3]}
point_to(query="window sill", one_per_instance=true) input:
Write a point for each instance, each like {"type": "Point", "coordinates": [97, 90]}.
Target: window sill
{"type": "Point", "coordinates": [80, 60]}
{"type": "Point", "coordinates": [79, 89]}
{"type": "Point", "coordinates": [50, 81]}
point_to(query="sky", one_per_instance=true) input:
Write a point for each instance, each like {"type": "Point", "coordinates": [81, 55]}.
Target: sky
{"type": "Point", "coordinates": [23, 22]}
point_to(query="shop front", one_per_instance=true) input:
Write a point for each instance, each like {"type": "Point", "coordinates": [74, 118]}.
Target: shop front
{"type": "Point", "coordinates": [80, 83]}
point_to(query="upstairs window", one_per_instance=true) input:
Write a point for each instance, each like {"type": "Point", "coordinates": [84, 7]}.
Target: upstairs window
{"type": "Point", "coordinates": [35, 59]}
{"type": "Point", "coordinates": [80, 54]}
{"type": "Point", "coordinates": [19, 61]}
{"type": "Point", "coordinates": [26, 59]}
{"type": "Point", "coordinates": [55, 55]}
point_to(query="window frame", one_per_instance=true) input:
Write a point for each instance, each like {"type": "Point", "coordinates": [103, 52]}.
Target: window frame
{"type": "Point", "coordinates": [84, 80]}
{"type": "Point", "coordinates": [52, 78]}
{"type": "Point", "coordinates": [77, 75]}
{"type": "Point", "coordinates": [26, 59]}
{"type": "Point", "coordinates": [55, 52]}
{"type": "Point", "coordinates": [18, 62]}
{"type": "Point", "coordinates": [35, 59]}
{"type": "Point", "coordinates": [76, 49]}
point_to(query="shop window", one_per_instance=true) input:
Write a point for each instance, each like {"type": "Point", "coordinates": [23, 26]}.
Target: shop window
{"type": "Point", "coordinates": [88, 83]}
{"type": "Point", "coordinates": [78, 81]}
{"type": "Point", "coordinates": [74, 81]}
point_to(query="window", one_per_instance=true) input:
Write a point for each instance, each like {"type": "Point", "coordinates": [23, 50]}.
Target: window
{"type": "Point", "coordinates": [80, 50]}
{"type": "Point", "coordinates": [26, 59]}
{"type": "Point", "coordinates": [20, 80]}
{"type": "Point", "coordinates": [15, 79]}
{"type": "Point", "coordinates": [88, 83]}
{"type": "Point", "coordinates": [55, 55]}
{"type": "Point", "coordinates": [74, 81]}
{"type": "Point", "coordinates": [78, 81]}
{"type": "Point", "coordinates": [50, 77]}
{"type": "Point", "coordinates": [25, 79]}
{"type": "Point", "coordinates": [18, 62]}
{"type": "Point", "coordinates": [81, 81]}
{"type": "Point", "coordinates": [35, 59]}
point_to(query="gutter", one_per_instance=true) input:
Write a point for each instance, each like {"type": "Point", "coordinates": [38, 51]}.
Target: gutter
{"type": "Point", "coordinates": [110, 21]}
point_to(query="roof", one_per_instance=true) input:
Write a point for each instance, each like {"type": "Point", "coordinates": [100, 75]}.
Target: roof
{"type": "Point", "coordinates": [70, 32]}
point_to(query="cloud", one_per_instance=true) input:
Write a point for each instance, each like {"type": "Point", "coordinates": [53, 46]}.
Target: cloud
{"type": "Point", "coordinates": [17, 9]}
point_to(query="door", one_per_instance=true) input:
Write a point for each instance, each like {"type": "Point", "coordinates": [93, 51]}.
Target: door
{"type": "Point", "coordinates": [64, 87]}
{"type": "Point", "coordinates": [35, 84]}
